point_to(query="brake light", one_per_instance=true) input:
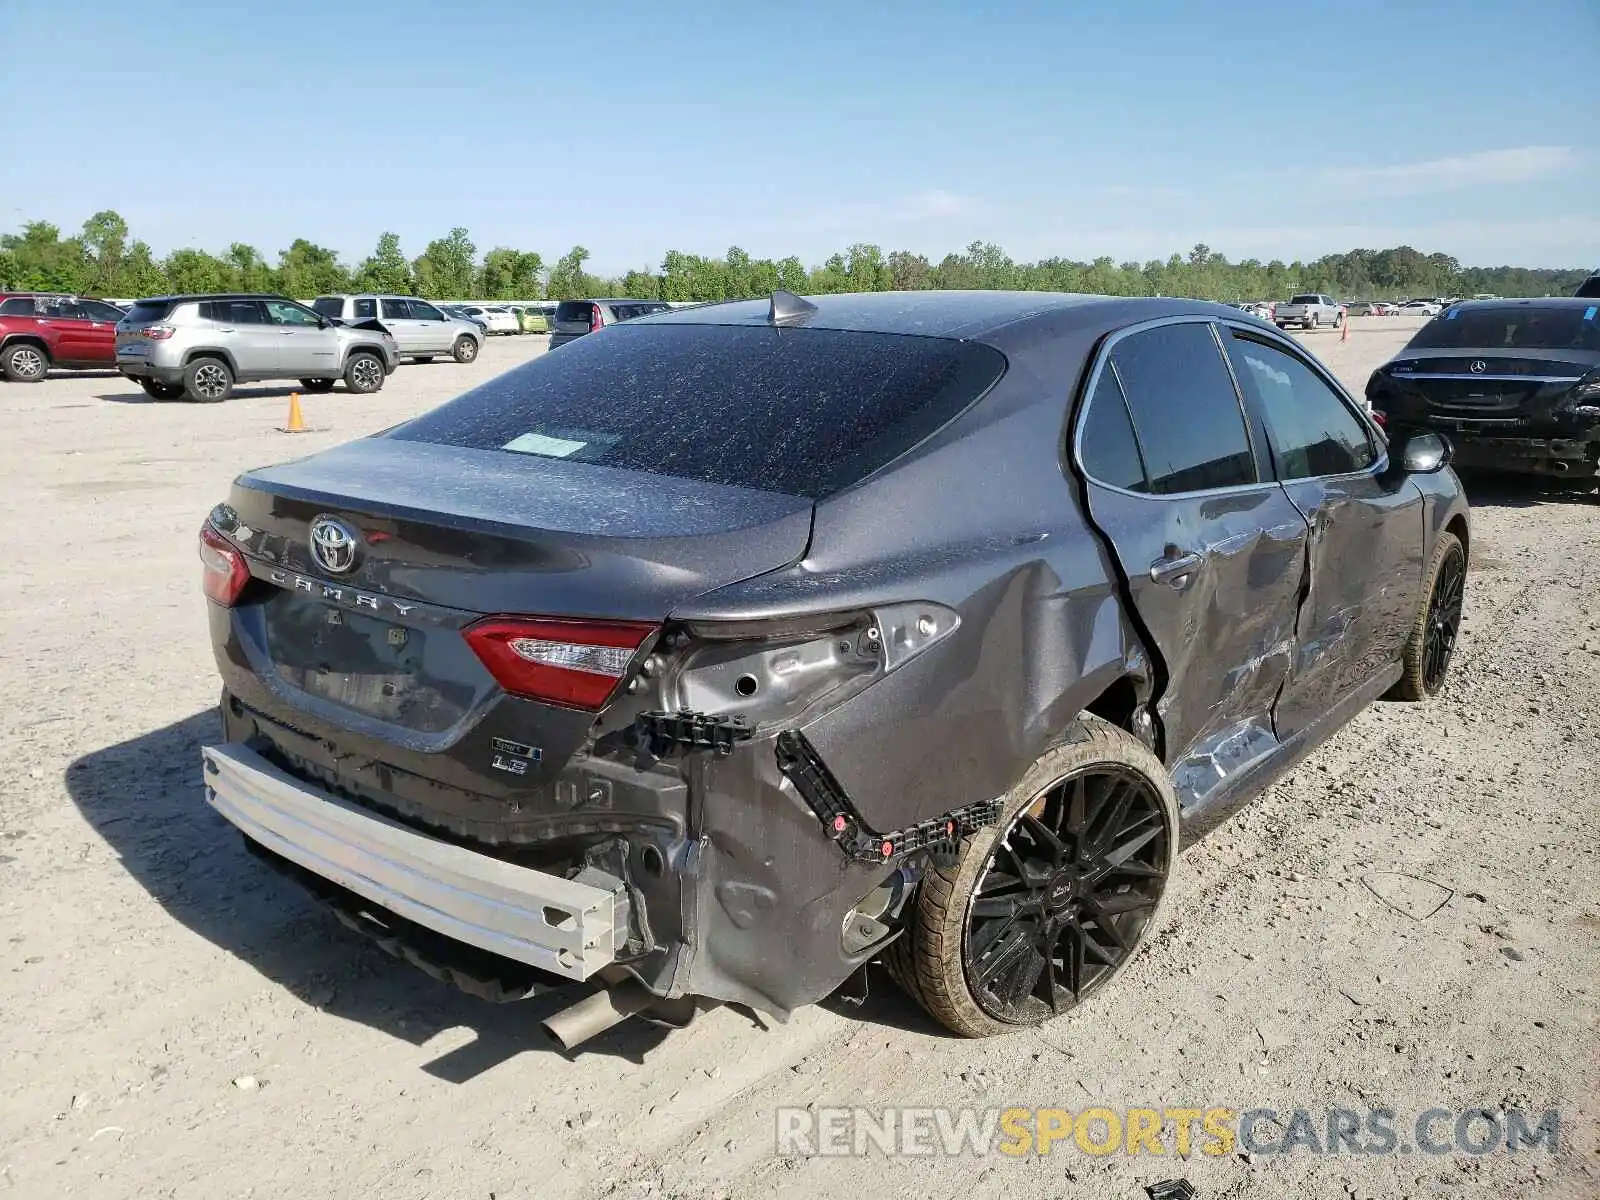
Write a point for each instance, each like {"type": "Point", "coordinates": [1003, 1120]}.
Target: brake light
{"type": "Point", "coordinates": [226, 572]}
{"type": "Point", "coordinates": [597, 319]}
{"type": "Point", "coordinates": [157, 333]}
{"type": "Point", "coordinates": [574, 663]}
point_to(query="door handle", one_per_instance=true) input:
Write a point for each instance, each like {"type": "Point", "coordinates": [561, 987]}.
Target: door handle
{"type": "Point", "coordinates": [1175, 569]}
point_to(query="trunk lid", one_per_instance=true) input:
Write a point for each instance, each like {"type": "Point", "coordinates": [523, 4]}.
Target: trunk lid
{"type": "Point", "coordinates": [1498, 385]}
{"type": "Point", "coordinates": [446, 535]}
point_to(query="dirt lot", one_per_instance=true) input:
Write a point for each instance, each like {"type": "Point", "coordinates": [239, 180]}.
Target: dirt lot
{"type": "Point", "coordinates": [1410, 921]}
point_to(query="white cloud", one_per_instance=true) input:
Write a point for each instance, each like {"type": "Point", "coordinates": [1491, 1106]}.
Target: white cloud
{"type": "Point", "coordinates": [1517, 164]}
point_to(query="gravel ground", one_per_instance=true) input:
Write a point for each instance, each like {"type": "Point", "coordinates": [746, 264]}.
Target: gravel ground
{"type": "Point", "coordinates": [1409, 921]}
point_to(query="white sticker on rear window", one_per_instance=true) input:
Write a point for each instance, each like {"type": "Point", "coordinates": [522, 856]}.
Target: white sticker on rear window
{"type": "Point", "coordinates": [549, 447]}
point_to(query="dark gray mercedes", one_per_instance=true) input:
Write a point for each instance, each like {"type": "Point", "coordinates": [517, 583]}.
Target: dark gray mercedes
{"type": "Point", "coordinates": [734, 648]}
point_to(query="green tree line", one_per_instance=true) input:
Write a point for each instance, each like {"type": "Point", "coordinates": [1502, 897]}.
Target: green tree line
{"type": "Point", "coordinates": [102, 260]}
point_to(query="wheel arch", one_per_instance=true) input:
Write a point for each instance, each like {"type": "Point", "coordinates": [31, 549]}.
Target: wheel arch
{"type": "Point", "coordinates": [211, 352]}
{"type": "Point", "coordinates": [364, 348]}
{"type": "Point", "coordinates": [27, 339]}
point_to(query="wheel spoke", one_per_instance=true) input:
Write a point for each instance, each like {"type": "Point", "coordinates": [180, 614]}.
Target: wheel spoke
{"type": "Point", "coordinates": [1077, 807]}
{"type": "Point", "coordinates": [988, 907]}
{"type": "Point", "coordinates": [1113, 812]}
{"type": "Point", "coordinates": [1044, 837]}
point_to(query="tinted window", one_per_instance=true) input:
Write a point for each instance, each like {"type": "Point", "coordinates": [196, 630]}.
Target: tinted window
{"type": "Point", "coordinates": [99, 310]}
{"type": "Point", "coordinates": [1590, 287]}
{"type": "Point", "coordinates": [1513, 326]}
{"type": "Point", "coordinates": [283, 313]}
{"type": "Point", "coordinates": [1304, 299]}
{"type": "Point", "coordinates": [365, 308]}
{"type": "Point", "coordinates": [1184, 408]}
{"type": "Point", "coordinates": [1313, 431]}
{"type": "Point", "coordinates": [800, 411]}
{"type": "Point", "coordinates": [233, 312]}
{"type": "Point", "coordinates": [573, 310]}
{"type": "Point", "coordinates": [424, 312]}
{"type": "Point", "coordinates": [329, 306]}
{"type": "Point", "coordinates": [396, 309]}
{"type": "Point", "coordinates": [145, 311]}
{"type": "Point", "coordinates": [1106, 445]}
{"type": "Point", "coordinates": [17, 306]}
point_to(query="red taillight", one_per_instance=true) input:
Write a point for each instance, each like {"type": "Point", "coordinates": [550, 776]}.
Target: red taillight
{"type": "Point", "coordinates": [157, 333]}
{"type": "Point", "coordinates": [226, 572]}
{"type": "Point", "coordinates": [1381, 417]}
{"type": "Point", "coordinates": [597, 319]}
{"type": "Point", "coordinates": [569, 662]}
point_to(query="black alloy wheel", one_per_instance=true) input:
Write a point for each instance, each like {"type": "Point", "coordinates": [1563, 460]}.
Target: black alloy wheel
{"type": "Point", "coordinates": [1066, 893]}
{"type": "Point", "coordinates": [1444, 618]}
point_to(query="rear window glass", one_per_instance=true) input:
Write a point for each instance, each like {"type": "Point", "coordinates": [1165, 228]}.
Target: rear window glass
{"type": "Point", "coordinates": [1521, 326]}
{"type": "Point", "coordinates": [1305, 299]}
{"type": "Point", "coordinates": [328, 306]}
{"type": "Point", "coordinates": [801, 411]}
{"type": "Point", "coordinates": [573, 310]}
{"type": "Point", "coordinates": [148, 310]}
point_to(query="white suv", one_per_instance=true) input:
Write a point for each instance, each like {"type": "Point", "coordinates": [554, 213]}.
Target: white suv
{"type": "Point", "coordinates": [419, 328]}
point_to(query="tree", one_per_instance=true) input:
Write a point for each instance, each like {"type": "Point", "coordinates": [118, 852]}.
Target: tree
{"type": "Point", "coordinates": [190, 270]}
{"type": "Point", "coordinates": [567, 280]}
{"type": "Point", "coordinates": [250, 271]}
{"type": "Point", "coordinates": [447, 269]}
{"type": "Point", "coordinates": [511, 275]}
{"type": "Point", "coordinates": [386, 269]}
{"type": "Point", "coordinates": [909, 272]}
{"type": "Point", "coordinates": [42, 261]}
{"type": "Point", "coordinates": [306, 269]}
{"type": "Point", "coordinates": [104, 236]}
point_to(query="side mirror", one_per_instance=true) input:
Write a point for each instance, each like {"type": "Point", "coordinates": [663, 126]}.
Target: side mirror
{"type": "Point", "coordinates": [1423, 452]}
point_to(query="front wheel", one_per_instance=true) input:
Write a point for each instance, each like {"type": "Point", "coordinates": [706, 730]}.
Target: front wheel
{"type": "Point", "coordinates": [1044, 910]}
{"type": "Point", "coordinates": [24, 363]}
{"type": "Point", "coordinates": [1338, 320]}
{"type": "Point", "coordinates": [363, 373]}
{"type": "Point", "coordinates": [1432, 641]}
{"type": "Point", "coordinates": [465, 350]}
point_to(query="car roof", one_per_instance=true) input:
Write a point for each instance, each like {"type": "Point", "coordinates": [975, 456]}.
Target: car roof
{"type": "Point", "coordinates": [970, 315]}
{"type": "Point", "coordinates": [1556, 302]}
{"type": "Point", "coordinates": [184, 297]}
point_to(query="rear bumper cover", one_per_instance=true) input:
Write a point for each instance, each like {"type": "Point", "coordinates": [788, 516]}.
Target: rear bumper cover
{"type": "Point", "coordinates": [569, 927]}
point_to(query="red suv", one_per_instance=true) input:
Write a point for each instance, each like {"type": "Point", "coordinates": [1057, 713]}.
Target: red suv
{"type": "Point", "coordinates": [39, 331]}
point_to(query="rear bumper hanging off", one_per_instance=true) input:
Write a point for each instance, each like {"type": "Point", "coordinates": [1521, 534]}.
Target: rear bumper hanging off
{"type": "Point", "coordinates": [569, 927]}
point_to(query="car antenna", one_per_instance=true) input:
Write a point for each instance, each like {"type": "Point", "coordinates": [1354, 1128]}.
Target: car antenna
{"type": "Point", "coordinates": [789, 309]}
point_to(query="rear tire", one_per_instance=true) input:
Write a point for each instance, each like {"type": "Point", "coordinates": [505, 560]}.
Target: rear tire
{"type": "Point", "coordinates": [363, 374]}
{"type": "Point", "coordinates": [1437, 628]}
{"type": "Point", "coordinates": [208, 380]}
{"type": "Point", "coordinates": [465, 349]}
{"type": "Point", "coordinates": [24, 362]}
{"type": "Point", "coordinates": [157, 390]}
{"type": "Point", "coordinates": [317, 385]}
{"type": "Point", "coordinates": [1315, 321]}
{"type": "Point", "coordinates": [1106, 888]}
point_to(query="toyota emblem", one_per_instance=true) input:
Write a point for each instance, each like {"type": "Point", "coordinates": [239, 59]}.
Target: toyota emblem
{"type": "Point", "coordinates": [334, 545]}
{"type": "Point", "coordinates": [1477, 366]}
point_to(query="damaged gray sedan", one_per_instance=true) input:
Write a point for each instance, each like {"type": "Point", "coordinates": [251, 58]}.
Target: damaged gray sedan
{"type": "Point", "coordinates": [735, 648]}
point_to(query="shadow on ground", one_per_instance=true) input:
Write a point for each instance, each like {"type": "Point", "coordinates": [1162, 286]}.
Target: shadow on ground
{"type": "Point", "coordinates": [144, 797]}
{"type": "Point", "coordinates": [137, 395]}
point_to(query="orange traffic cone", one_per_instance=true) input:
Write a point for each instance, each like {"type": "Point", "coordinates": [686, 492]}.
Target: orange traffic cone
{"type": "Point", "coordinates": [297, 422]}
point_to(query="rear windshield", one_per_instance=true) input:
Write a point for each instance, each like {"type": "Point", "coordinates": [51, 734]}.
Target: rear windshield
{"type": "Point", "coordinates": [328, 306]}
{"type": "Point", "coordinates": [1521, 327]}
{"type": "Point", "coordinates": [145, 311]}
{"type": "Point", "coordinates": [801, 411]}
{"type": "Point", "coordinates": [573, 310]}
{"type": "Point", "coordinates": [1305, 299]}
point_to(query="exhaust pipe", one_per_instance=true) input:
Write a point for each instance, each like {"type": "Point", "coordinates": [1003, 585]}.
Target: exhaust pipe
{"type": "Point", "coordinates": [595, 1014]}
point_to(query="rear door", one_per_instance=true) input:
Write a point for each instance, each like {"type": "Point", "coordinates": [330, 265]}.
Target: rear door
{"type": "Point", "coordinates": [307, 350]}
{"type": "Point", "coordinates": [395, 313]}
{"type": "Point", "coordinates": [431, 331]}
{"type": "Point", "coordinates": [241, 328]}
{"type": "Point", "coordinates": [1366, 528]}
{"type": "Point", "coordinates": [1212, 549]}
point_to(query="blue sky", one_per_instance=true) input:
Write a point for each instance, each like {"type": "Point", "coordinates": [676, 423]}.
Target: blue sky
{"type": "Point", "coordinates": [1074, 129]}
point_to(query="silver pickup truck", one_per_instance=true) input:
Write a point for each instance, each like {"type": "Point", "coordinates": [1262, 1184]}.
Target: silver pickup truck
{"type": "Point", "coordinates": [1309, 310]}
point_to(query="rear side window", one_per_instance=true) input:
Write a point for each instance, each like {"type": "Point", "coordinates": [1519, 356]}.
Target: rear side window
{"type": "Point", "coordinates": [1185, 409]}
{"type": "Point", "coordinates": [1512, 326]}
{"type": "Point", "coordinates": [1313, 431]}
{"type": "Point", "coordinates": [328, 306]}
{"type": "Point", "coordinates": [233, 312]}
{"type": "Point", "coordinates": [1107, 448]}
{"type": "Point", "coordinates": [573, 310]}
{"type": "Point", "coordinates": [17, 306]}
{"type": "Point", "coordinates": [145, 311]}
{"type": "Point", "coordinates": [801, 411]}
{"type": "Point", "coordinates": [396, 310]}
